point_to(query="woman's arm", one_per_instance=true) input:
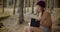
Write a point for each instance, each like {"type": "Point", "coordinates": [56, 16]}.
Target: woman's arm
{"type": "Point", "coordinates": [46, 20]}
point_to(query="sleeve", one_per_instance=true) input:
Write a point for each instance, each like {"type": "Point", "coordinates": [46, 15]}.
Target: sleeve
{"type": "Point", "coordinates": [46, 20]}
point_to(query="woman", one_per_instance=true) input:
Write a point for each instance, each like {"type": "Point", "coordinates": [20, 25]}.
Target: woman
{"type": "Point", "coordinates": [44, 18]}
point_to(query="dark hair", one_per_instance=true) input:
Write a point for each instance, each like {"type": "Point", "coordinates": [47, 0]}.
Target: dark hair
{"type": "Point", "coordinates": [43, 12]}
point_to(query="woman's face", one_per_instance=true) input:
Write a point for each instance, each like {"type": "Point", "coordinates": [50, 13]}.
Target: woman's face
{"type": "Point", "coordinates": [39, 8]}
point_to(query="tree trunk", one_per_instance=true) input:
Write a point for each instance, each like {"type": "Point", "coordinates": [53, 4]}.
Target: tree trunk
{"type": "Point", "coordinates": [51, 5]}
{"type": "Point", "coordinates": [14, 6]}
{"type": "Point", "coordinates": [3, 6]}
{"type": "Point", "coordinates": [32, 6]}
{"type": "Point", "coordinates": [20, 10]}
{"type": "Point", "coordinates": [7, 3]}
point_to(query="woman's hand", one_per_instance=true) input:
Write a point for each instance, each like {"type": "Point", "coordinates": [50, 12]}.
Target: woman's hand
{"type": "Point", "coordinates": [37, 19]}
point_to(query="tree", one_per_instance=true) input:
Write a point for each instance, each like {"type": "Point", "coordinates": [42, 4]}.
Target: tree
{"type": "Point", "coordinates": [14, 6]}
{"type": "Point", "coordinates": [51, 5]}
{"type": "Point", "coordinates": [3, 6]}
{"type": "Point", "coordinates": [20, 10]}
{"type": "Point", "coordinates": [32, 6]}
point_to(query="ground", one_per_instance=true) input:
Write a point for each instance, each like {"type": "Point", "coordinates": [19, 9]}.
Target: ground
{"type": "Point", "coordinates": [12, 25]}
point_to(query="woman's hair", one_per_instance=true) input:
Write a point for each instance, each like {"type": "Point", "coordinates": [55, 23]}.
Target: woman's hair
{"type": "Point", "coordinates": [42, 12]}
{"type": "Point", "coordinates": [41, 3]}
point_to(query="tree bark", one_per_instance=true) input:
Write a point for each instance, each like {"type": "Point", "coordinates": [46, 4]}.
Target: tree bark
{"type": "Point", "coordinates": [51, 5]}
{"type": "Point", "coordinates": [3, 6]}
{"type": "Point", "coordinates": [14, 6]}
{"type": "Point", "coordinates": [32, 6]}
{"type": "Point", "coordinates": [20, 10]}
{"type": "Point", "coordinates": [7, 3]}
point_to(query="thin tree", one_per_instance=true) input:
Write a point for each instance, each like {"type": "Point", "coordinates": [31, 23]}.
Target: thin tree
{"type": "Point", "coordinates": [51, 5]}
{"type": "Point", "coordinates": [20, 10]}
{"type": "Point", "coordinates": [14, 6]}
{"type": "Point", "coordinates": [7, 3]}
{"type": "Point", "coordinates": [3, 6]}
{"type": "Point", "coordinates": [32, 6]}
{"type": "Point", "coordinates": [24, 6]}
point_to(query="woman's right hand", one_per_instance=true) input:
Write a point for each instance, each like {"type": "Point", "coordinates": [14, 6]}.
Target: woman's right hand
{"type": "Point", "coordinates": [37, 19]}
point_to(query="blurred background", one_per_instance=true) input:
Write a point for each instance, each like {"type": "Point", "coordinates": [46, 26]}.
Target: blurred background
{"type": "Point", "coordinates": [14, 14]}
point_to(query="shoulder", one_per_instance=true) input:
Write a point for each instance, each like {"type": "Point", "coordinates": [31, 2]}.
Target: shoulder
{"type": "Point", "coordinates": [47, 13]}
